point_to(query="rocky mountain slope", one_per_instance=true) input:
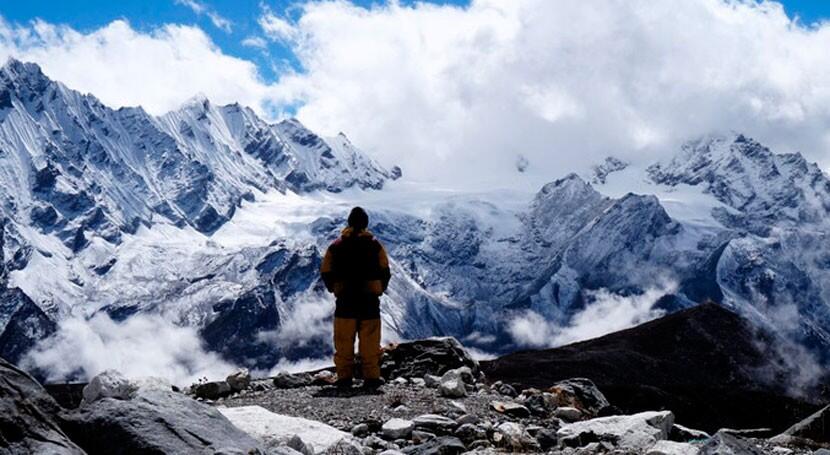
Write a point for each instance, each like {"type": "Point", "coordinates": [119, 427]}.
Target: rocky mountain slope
{"type": "Point", "coordinates": [436, 400]}
{"type": "Point", "coordinates": [712, 368]}
{"type": "Point", "coordinates": [210, 218]}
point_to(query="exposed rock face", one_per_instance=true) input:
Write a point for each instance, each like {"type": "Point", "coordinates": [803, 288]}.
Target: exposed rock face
{"type": "Point", "coordinates": [153, 421]}
{"type": "Point", "coordinates": [657, 366]}
{"type": "Point", "coordinates": [637, 432]}
{"type": "Point", "coordinates": [271, 428]}
{"type": "Point", "coordinates": [109, 384]}
{"type": "Point", "coordinates": [28, 422]}
{"type": "Point", "coordinates": [434, 356]}
{"type": "Point", "coordinates": [813, 431]}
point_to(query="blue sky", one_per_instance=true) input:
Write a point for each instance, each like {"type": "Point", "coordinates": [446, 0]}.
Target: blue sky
{"type": "Point", "coordinates": [86, 15]}
{"type": "Point", "coordinates": [460, 92]}
{"type": "Point", "coordinates": [144, 15]}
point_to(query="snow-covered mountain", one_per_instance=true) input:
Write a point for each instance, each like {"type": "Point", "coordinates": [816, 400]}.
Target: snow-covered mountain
{"type": "Point", "coordinates": [217, 220]}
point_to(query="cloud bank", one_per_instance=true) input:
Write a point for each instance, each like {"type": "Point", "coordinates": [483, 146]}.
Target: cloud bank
{"type": "Point", "coordinates": [457, 94]}
{"type": "Point", "coordinates": [605, 313]}
{"type": "Point", "coordinates": [142, 345]}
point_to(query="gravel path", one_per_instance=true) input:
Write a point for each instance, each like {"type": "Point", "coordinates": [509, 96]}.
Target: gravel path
{"type": "Point", "coordinates": [344, 411]}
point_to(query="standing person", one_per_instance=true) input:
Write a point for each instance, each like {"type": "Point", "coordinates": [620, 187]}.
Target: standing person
{"type": "Point", "coordinates": [356, 269]}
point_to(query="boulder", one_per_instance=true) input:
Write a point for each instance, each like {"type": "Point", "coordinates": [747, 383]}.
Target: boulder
{"type": "Point", "coordinates": [28, 416]}
{"type": "Point", "coordinates": [109, 384]}
{"type": "Point", "coordinates": [434, 356]}
{"type": "Point", "coordinates": [435, 424]}
{"type": "Point", "coordinates": [271, 428]}
{"type": "Point", "coordinates": [211, 390]}
{"type": "Point", "coordinates": [397, 428]}
{"type": "Point", "coordinates": [291, 381]}
{"type": "Point", "coordinates": [673, 448]}
{"type": "Point", "coordinates": [638, 432]}
{"type": "Point", "coordinates": [579, 393]}
{"type": "Point", "coordinates": [510, 408]}
{"type": "Point", "coordinates": [814, 431]}
{"type": "Point", "coordinates": [154, 421]}
{"type": "Point", "coordinates": [442, 445]}
{"type": "Point", "coordinates": [239, 380]}
{"type": "Point", "coordinates": [432, 381]}
{"type": "Point", "coordinates": [452, 388]}
{"type": "Point", "coordinates": [728, 444]}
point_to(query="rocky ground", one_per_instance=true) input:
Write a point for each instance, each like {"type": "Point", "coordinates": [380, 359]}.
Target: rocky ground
{"type": "Point", "coordinates": [436, 401]}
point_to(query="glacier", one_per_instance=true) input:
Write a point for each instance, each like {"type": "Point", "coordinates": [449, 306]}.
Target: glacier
{"type": "Point", "coordinates": [212, 218]}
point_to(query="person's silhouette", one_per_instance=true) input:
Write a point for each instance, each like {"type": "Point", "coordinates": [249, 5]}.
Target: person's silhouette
{"type": "Point", "coordinates": [356, 269]}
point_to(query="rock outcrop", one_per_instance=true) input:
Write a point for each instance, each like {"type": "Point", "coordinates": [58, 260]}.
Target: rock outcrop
{"type": "Point", "coordinates": [150, 419]}
{"type": "Point", "coordinates": [28, 416]}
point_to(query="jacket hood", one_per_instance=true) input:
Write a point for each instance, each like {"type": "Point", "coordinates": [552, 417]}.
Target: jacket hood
{"type": "Point", "coordinates": [349, 231]}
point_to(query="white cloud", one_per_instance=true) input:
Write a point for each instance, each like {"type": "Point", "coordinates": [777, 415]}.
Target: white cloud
{"type": "Point", "coordinates": [458, 93]}
{"type": "Point", "coordinates": [158, 70]}
{"type": "Point", "coordinates": [216, 19]}
{"type": "Point", "coordinates": [255, 41]}
{"type": "Point", "coordinates": [143, 345]}
{"type": "Point", "coordinates": [604, 313]}
{"type": "Point", "coordinates": [275, 27]}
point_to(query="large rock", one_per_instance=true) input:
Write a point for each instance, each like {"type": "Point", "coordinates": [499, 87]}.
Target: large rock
{"type": "Point", "coordinates": [272, 428]}
{"type": "Point", "coordinates": [28, 422]}
{"type": "Point", "coordinates": [723, 443]}
{"type": "Point", "coordinates": [154, 421]}
{"type": "Point", "coordinates": [579, 393]}
{"type": "Point", "coordinates": [433, 356]}
{"type": "Point", "coordinates": [109, 384]}
{"type": "Point", "coordinates": [813, 431]}
{"type": "Point", "coordinates": [673, 448]}
{"type": "Point", "coordinates": [637, 432]}
{"type": "Point", "coordinates": [239, 380]}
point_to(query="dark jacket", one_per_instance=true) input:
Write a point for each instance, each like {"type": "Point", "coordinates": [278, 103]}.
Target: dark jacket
{"type": "Point", "coordinates": [356, 269]}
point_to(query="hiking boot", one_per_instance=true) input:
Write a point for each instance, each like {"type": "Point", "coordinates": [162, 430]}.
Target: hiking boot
{"type": "Point", "coordinates": [372, 384]}
{"type": "Point", "coordinates": [343, 384]}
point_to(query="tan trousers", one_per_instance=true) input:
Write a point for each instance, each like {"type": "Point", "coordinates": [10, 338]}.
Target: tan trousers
{"type": "Point", "coordinates": [368, 333]}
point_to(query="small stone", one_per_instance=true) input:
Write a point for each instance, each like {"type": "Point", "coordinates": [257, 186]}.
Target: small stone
{"type": "Point", "coordinates": [514, 437]}
{"type": "Point", "coordinates": [458, 406]}
{"type": "Point", "coordinates": [507, 390]}
{"type": "Point", "coordinates": [400, 381]}
{"type": "Point", "coordinates": [345, 446]}
{"type": "Point", "coordinates": [418, 382]}
{"type": "Point", "coordinates": [442, 445]}
{"type": "Point", "coordinates": [323, 378]}
{"type": "Point", "coordinates": [467, 418]}
{"type": "Point", "coordinates": [397, 428]}
{"type": "Point", "coordinates": [568, 414]}
{"type": "Point", "coordinates": [419, 437]}
{"type": "Point", "coordinates": [510, 408]}
{"type": "Point", "coordinates": [469, 432]}
{"type": "Point", "coordinates": [435, 424]}
{"type": "Point", "coordinates": [546, 438]}
{"type": "Point", "coordinates": [391, 452]}
{"type": "Point", "coordinates": [239, 380]}
{"type": "Point", "coordinates": [299, 445]}
{"type": "Point", "coordinates": [360, 430]}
